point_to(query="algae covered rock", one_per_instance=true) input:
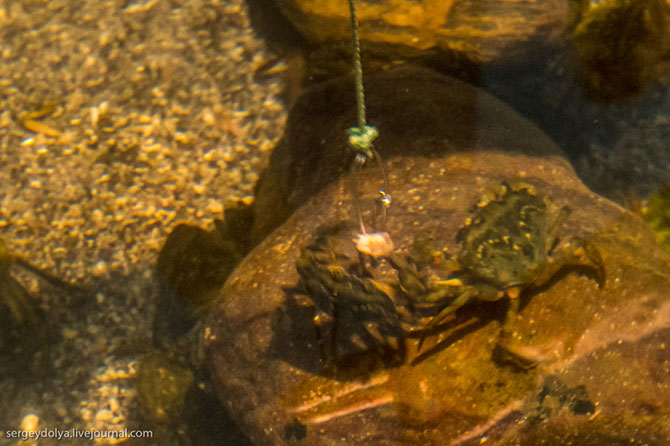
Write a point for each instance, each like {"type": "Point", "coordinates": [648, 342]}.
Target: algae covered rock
{"type": "Point", "coordinates": [600, 363]}
{"type": "Point", "coordinates": [657, 214]}
{"type": "Point", "coordinates": [162, 384]}
{"type": "Point", "coordinates": [622, 46]}
{"type": "Point", "coordinates": [480, 30]}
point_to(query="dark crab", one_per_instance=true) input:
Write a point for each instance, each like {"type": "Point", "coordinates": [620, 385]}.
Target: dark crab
{"type": "Point", "coordinates": [359, 311]}
{"type": "Point", "coordinates": [506, 247]}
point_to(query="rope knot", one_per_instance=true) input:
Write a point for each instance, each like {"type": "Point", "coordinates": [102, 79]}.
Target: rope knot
{"type": "Point", "coordinates": [360, 139]}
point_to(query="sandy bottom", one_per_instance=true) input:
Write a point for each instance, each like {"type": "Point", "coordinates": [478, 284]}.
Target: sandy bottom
{"type": "Point", "coordinates": [118, 121]}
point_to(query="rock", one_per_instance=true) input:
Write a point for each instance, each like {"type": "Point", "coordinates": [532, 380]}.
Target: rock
{"type": "Point", "coordinates": [479, 30]}
{"type": "Point", "coordinates": [271, 372]}
{"type": "Point", "coordinates": [417, 112]}
{"type": "Point", "coordinates": [622, 46]}
{"type": "Point", "coordinates": [191, 268]}
{"type": "Point", "coordinates": [602, 359]}
{"type": "Point", "coordinates": [162, 384]}
{"type": "Point", "coordinates": [657, 214]}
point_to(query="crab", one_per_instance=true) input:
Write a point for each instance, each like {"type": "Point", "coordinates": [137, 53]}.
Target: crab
{"type": "Point", "coordinates": [12, 294]}
{"type": "Point", "coordinates": [359, 310]}
{"type": "Point", "coordinates": [507, 246]}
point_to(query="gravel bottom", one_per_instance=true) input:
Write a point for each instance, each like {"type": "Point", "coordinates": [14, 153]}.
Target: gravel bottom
{"type": "Point", "coordinates": [118, 121]}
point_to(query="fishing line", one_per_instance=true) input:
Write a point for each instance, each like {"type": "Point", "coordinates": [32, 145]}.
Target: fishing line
{"type": "Point", "coordinates": [362, 137]}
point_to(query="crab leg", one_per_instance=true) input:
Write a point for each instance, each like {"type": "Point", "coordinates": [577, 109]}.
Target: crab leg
{"type": "Point", "coordinates": [552, 233]}
{"type": "Point", "coordinates": [510, 317]}
{"type": "Point", "coordinates": [577, 253]}
{"type": "Point", "coordinates": [17, 299]}
{"type": "Point", "coordinates": [461, 300]}
{"type": "Point", "coordinates": [54, 281]}
{"type": "Point", "coordinates": [506, 351]}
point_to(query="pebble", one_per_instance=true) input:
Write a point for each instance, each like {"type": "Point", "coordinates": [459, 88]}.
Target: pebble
{"type": "Point", "coordinates": [30, 423]}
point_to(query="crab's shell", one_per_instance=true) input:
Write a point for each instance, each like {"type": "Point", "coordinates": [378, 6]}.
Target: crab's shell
{"type": "Point", "coordinates": [506, 241]}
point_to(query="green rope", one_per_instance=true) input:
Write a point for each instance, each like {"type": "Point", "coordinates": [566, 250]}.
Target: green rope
{"type": "Point", "coordinates": [358, 68]}
{"type": "Point", "coordinates": [361, 137]}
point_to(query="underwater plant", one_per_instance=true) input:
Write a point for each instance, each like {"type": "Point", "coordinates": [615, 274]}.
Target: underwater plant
{"type": "Point", "coordinates": [656, 212]}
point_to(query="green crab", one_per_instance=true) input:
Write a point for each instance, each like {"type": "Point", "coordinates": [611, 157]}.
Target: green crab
{"type": "Point", "coordinates": [507, 246]}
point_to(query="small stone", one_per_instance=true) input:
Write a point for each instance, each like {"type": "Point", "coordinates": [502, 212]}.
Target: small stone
{"type": "Point", "coordinates": [214, 206]}
{"type": "Point", "coordinates": [30, 422]}
{"type": "Point", "coordinates": [100, 268]}
{"type": "Point", "coordinates": [69, 333]}
{"type": "Point", "coordinates": [104, 415]}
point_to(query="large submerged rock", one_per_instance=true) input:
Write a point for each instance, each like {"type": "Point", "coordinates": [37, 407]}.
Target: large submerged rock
{"type": "Point", "coordinates": [418, 113]}
{"type": "Point", "coordinates": [480, 30]}
{"type": "Point", "coordinates": [603, 376]}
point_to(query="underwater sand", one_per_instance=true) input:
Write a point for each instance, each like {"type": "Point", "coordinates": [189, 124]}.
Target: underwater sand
{"type": "Point", "coordinates": [117, 122]}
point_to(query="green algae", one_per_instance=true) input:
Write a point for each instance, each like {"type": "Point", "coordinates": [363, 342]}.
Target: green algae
{"type": "Point", "coordinates": [657, 214]}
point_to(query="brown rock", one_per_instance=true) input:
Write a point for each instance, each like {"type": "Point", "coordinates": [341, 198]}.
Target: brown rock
{"type": "Point", "coordinates": [417, 112]}
{"type": "Point", "coordinates": [622, 46]}
{"type": "Point", "coordinates": [481, 30]}
{"type": "Point", "coordinates": [602, 373]}
{"type": "Point", "coordinates": [611, 341]}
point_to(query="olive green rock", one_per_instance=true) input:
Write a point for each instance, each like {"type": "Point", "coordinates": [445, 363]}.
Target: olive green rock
{"type": "Point", "coordinates": [480, 30]}
{"type": "Point", "coordinates": [601, 374]}
{"type": "Point", "coordinates": [657, 214]}
{"type": "Point", "coordinates": [622, 46]}
{"type": "Point", "coordinates": [162, 384]}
